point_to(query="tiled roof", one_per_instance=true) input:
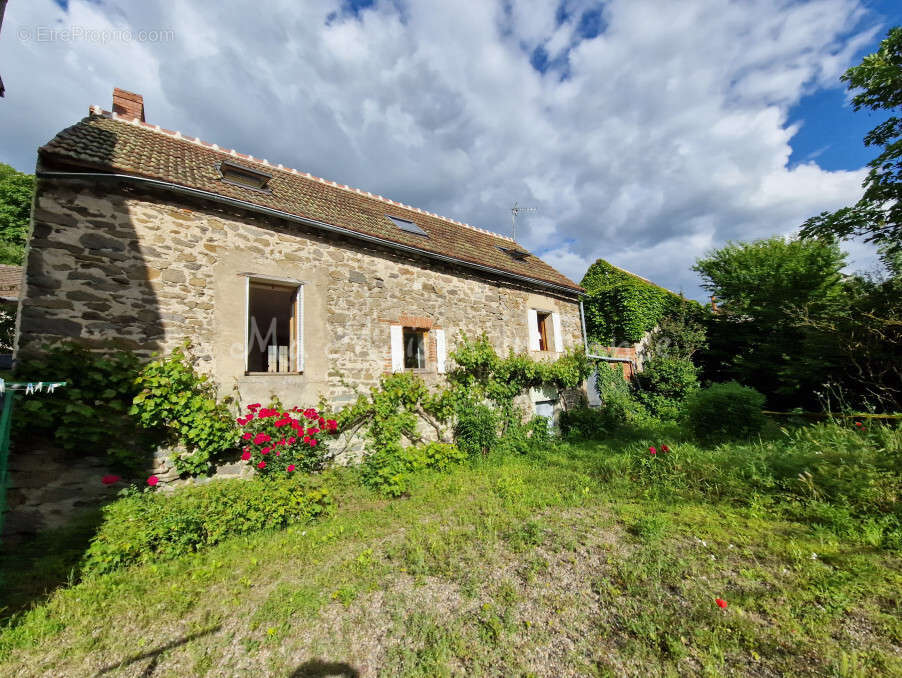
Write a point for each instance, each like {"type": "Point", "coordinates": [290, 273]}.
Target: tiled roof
{"type": "Point", "coordinates": [10, 281]}
{"type": "Point", "coordinates": [105, 142]}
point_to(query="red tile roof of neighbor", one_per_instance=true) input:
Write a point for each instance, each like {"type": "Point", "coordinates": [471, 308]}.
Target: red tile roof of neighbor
{"type": "Point", "coordinates": [107, 142]}
{"type": "Point", "coordinates": [10, 281]}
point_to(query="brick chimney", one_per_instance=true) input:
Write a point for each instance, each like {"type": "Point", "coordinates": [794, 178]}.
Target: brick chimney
{"type": "Point", "coordinates": [128, 104]}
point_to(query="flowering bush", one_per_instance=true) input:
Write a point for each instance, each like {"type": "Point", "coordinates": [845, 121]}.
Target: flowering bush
{"type": "Point", "coordinates": [279, 442]}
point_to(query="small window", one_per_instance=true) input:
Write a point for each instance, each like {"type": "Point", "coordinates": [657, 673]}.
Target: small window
{"type": "Point", "coordinates": [244, 176]}
{"type": "Point", "coordinates": [274, 327]}
{"type": "Point", "coordinates": [514, 253]}
{"type": "Point", "coordinates": [414, 348]}
{"type": "Point", "coordinates": [545, 330]}
{"type": "Point", "coordinates": [407, 226]}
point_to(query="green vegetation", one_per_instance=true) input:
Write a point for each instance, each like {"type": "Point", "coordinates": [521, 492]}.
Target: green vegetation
{"type": "Point", "coordinates": [116, 405]}
{"type": "Point", "coordinates": [596, 558]}
{"type": "Point", "coordinates": [877, 216]}
{"type": "Point", "coordinates": [16, 191]}
{"type": "Point", "coordinates": [725, 411]}
{"type": "Point", "coordinates": [90, 415]}
{"type": "Point", "coordinates": [150, 526]}
{"type": "Point", "coordinates": [622, 307]}
{"type": "Point", "coordinates": [174, 398]}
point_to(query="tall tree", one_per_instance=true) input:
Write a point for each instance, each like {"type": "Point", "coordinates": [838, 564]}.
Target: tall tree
{"type": "Point", "coordinates": [755, 338]}
{"type": "Point", "coordinates": [16, 190]}
{"type": "Point", "coordinates": [877, 216]}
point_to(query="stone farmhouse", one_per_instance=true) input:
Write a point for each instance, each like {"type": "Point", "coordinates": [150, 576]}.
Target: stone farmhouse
{"type": "Point", "coordinates": [285, 283]}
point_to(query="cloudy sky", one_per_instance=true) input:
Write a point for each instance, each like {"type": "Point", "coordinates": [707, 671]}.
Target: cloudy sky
{"type": "Point", "coordinates": [644, 132]}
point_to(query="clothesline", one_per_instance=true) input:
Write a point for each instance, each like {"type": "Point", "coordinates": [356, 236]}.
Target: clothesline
{"type": "Point", "coordinates": [30, 387]}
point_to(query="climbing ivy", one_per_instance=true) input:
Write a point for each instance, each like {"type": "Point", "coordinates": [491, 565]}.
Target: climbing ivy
{"type": "Point", "coordinates": [622, 307]}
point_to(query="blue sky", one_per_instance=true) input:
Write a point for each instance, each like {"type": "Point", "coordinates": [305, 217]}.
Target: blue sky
{"type": "Point", "coordinates": [644, 132]}
{"type": "Point", "coordinates": [831, 132]}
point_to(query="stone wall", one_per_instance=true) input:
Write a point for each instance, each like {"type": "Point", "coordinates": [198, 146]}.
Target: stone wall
{"type": "Point", "coordinates": [150, 272]}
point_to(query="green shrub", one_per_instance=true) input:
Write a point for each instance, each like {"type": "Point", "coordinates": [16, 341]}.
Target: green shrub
{"type": "Point", "coordinates": [388, 470]}
{"type": "Point", "coordinates": [618, 406]}
{"type": "Point", "coordinates": [175, 398]}
{"type": "Point", "coordinates": [151, 526]}
{"type": "Point", "coordinates": [725, 411]}
{"type": "Point", "coordinates": [476, 431]}
{"type": "Point", "coordinates": [584, 423]}
{"type": "Point", "coordinates": [663, 385]}
{"type": "Point", "coordinates": [90, 414]}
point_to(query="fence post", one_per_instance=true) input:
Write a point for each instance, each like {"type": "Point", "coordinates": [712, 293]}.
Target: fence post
{"type": "Point", "coordinates": [5, 422]}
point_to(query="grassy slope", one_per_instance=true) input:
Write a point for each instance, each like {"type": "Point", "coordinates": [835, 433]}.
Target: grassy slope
{"type": "Point", "coordinates": [525, 566]}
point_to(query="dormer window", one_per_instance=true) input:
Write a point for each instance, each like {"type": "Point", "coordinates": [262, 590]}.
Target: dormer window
{"type": "Point", "coordinates": [238, 175]}
{"type": "Point", "coordinates": [514, 253]}
{"type": "Point", "coordinates": [407, 226]}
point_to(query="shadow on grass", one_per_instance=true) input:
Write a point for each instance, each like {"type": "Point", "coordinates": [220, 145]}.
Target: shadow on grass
{"type": "Point", "coordinates": [317, 668]}
{"type": "Point", "coordinates": [154, 655]}
{"type": "Point", "coordinates": [32, 569]}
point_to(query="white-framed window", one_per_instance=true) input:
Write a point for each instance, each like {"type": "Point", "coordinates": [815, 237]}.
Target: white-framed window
{"type": "Point", "coordinates": [410, 348]}
{"type": "Point", "coordinates": [544, 330]}
{"type": "Point", "coordinates": [274, 325]}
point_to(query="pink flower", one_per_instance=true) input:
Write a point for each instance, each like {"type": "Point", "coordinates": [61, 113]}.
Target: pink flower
{"type": "Point", "coordinates": [652, 450]}
{"type": "Point", "coordinates": [721, 603]}
{"type": "Point", "coordinates": [246, 456]}
{"type": "Point", "coordinates": [110, 479]}
{"type": "Point", "coordinates": [254, 407]}
{"type": "Point", "coordinates": [291, 440]}
{"type": "Point", "coordinates": [152, 481]}
{"type": "Point", "coordinates": [262, 464]}
{"type": "Point", "coordinates": [290, 468]}
{"type": "Point", "coordinates": [261, 438]}
{"type": "Point", "coordinates": [278, 454]}
{"type": "Point", "coordinates": [313, 442]}
{"type": "Point", "coordinates": [331, 425]}
{"type": "Point", "coordinates": [266, 450]}
{"type": "Point", "coordinates": [282, 422]}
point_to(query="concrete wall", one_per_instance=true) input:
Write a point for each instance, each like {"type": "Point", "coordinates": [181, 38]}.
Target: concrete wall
{"type": "Point", "coordinates": [149, 272]}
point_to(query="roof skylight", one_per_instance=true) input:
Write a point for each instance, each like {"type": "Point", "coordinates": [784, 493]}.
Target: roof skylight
{"type": "Point", "coordinates": [514, 253]}
{"type": "Point", "coordinates": [246, 177]}
{"type": "Point", "coordinates": [408, 226]}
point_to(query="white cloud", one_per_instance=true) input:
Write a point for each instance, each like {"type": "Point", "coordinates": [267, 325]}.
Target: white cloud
{"type": "Point", "coordinates": [662, 137]}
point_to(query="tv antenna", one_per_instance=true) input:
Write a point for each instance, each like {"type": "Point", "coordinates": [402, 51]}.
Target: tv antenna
{"type": "Point", "coordinates": [516, 210]}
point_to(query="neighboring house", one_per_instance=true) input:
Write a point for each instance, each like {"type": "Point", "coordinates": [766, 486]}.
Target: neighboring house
{"type": "Point", "coordinates": [10, 283]}
{"type": "Point", "coordinates": [285, 283]}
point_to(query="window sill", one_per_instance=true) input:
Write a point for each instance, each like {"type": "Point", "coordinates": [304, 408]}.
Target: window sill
{"type": "Point", "coordinates": [272, 374]}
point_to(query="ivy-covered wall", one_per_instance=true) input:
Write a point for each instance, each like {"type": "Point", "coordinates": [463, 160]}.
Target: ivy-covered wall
{"type": "Point", "coordinates": [621, 307]}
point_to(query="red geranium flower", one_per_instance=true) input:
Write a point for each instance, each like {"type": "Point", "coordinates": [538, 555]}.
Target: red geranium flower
{"type": "Point", "coordinates": [332, 425]}
{"type": "Point", "coordinates": [721, 603]}
{"type": "Point", "coordinates": [652, 450]}
{"type": "Point", "coordinates": [262, 464]}
{"type": "Point", "coordinates": [246, 456]}
{"type": "Point", "coordinates": [152, 481]}
{"type": "Point", "coordinates": [664, 448]}
{"type": "Point", "coordinates": [290, 468]}
{"type": "Point", "coordinates": [110, 479]}
{"type": "Point", "coordinates": [261, 438]}
{"type": "Point", "coordinates": [313, 442]}
{"type": "Point", "coordinates": [254, 407]}
{"type": "Point", "coordinates": [247, 436]}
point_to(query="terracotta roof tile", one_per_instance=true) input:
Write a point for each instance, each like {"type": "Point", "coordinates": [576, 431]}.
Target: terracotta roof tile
{"type": "Point", "coordinates": [103, 142]}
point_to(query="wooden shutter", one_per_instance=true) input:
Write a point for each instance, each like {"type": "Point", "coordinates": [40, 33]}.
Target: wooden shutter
{"type": "Point", "coordinates": [298, 326]}
{"type": "Point", "coordinates": [558, 342]}
{"type": "Point", "coordinates": [532, 320]}
{"type": "Point", "coordinates": [439, 351]}
{"type": "Point", "coordinates": [397, 348]}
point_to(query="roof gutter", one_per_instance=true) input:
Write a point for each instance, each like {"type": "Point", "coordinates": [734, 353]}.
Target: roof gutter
{"type": "Point", "coordinates": [234, 202]}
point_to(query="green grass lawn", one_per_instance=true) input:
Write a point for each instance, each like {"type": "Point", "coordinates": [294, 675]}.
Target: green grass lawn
{"type": "Point", "coordinates": [581, 560]}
